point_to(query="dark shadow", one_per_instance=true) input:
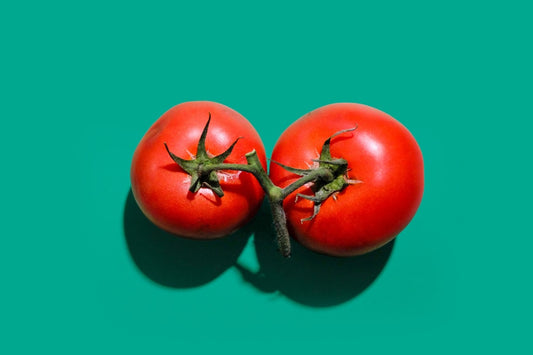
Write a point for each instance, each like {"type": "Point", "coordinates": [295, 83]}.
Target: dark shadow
{"type": "Point", "coordinates": [307, 277]}
{"type": "Point", "coordinates": [174, 261]}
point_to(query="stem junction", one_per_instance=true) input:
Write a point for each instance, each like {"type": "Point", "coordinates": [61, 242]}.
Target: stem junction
{"type": "Point", "coordinates": [328, 178]}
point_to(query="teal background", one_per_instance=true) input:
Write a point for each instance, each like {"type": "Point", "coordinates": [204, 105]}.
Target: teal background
{"type": "Point", "coordinates": [82, 81]}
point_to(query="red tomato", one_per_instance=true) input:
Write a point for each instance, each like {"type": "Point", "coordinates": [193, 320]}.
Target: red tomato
{"type": "Point", "coordinates": [381, 153]}
{"type": "Point", "coordinates": [161, 187]}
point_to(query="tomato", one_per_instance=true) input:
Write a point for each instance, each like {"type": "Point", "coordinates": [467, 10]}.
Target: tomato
{"type": "Point", "coordinates": [161, 187]}
{"type": "Point", "coordinates": [385, 168]}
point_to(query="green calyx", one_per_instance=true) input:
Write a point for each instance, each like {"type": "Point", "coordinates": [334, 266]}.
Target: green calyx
{"type": "Point", "coordinates": [199, 166]}
{"type": "Point", "coordinates": [330, 176]}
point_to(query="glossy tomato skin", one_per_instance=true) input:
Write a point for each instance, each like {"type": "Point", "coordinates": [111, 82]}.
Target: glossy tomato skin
{"type": "Point", "coordinates": [381, 153]}
{"type": "Point", "coordinates": [161, 187]}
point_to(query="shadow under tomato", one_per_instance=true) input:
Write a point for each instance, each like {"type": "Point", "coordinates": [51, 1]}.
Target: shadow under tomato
{"type": "Point", "coordinates": [174, 261]}
{"type": "Point", "coordinates": [307, 277]}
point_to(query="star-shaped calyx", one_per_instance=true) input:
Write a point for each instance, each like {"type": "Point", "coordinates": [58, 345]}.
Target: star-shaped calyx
{"type": "Point", "coordinates": [328, 184]}
{"type": "Point", "coordinates": [198, 166]}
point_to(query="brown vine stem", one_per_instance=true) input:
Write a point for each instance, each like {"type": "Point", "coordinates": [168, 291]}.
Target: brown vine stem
{"type": "Point", "coordinates": [327, 178]}
{"type": "Point", "coordinates": [275, 194]}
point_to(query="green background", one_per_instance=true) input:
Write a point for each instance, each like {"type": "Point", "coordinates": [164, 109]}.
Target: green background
{"type": "Point", "coordinates": [83, 272]}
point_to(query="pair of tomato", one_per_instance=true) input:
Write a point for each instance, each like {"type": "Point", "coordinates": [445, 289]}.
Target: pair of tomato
{"type": "Point", "coordinates": [382, 156]}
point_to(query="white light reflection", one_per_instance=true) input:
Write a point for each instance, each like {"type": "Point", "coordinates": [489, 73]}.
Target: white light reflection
{"type": "Point", "coordinates": [374, 147]}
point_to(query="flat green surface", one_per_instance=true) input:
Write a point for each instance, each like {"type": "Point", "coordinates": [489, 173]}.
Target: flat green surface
{"type": "Point", "coordinates": [83, 272]}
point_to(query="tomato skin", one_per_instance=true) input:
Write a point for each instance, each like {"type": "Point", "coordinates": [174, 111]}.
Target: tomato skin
{"type": "Point", "coordinates": [381, 153]}
{"type": "Point", "coordinates": [161, 187]}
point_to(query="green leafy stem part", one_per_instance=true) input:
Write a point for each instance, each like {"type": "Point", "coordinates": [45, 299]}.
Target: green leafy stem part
{"type": "Point", "coordinates": [327, 178]}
